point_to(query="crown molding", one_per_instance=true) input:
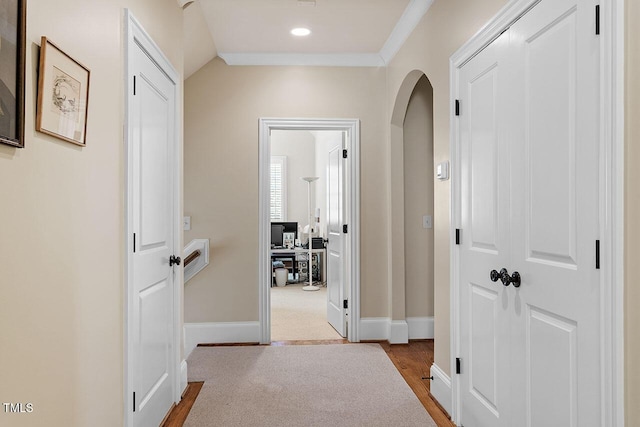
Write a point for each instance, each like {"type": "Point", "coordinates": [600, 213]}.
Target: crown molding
{"type": "Point", "coordinates": [410, 18]}
{"type": "Point", "coordinates": [304, 59]}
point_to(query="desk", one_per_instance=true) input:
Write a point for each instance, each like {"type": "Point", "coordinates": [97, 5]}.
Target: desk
{"type": "Point", "coordinates": [291, 254]}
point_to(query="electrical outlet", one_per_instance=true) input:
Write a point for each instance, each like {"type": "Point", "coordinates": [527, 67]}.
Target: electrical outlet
{"type": "Point", "coordinates": [427, 222]}
{"type": "Point", "coordinates": [186, 223]}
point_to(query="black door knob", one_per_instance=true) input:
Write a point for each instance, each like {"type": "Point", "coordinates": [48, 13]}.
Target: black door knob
{"type": "Point", "coordinates": [494, 275]}
{"type": "Point", "coordinates": [174, 260]}
{"type": "Point", "coordinates": [507, 279]}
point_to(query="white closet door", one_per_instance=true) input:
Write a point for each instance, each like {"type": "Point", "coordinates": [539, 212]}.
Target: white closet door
{"type": "Point", "coordinates": [484, 306]}
{"type": "Point", "coordinates": [556, 311]}
{"type": "Point", "coordinates": [529, 130]}
{"type": "Point", "coordinates": [153, 143]}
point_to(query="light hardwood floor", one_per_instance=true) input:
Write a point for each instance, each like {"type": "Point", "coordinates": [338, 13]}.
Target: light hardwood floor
{"type": "Point", "coordinates": [412, 360]}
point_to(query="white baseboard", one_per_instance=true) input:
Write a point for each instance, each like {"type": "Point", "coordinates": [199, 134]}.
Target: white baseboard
{"type": "Point", "coordinates": [441, 388]}
{"type": "Point", "coordinates": [219, 332]}
{"type": "Point", "coordinates": [374, 329]}
{"type": "Point", "coordinates": [420, 328]}
{"type": "Point", "coordinates": [183, 377]}
{"type": "Point", "coordinates": [398, 332]}
{"type": "Point", "coordinates": [395, 331]}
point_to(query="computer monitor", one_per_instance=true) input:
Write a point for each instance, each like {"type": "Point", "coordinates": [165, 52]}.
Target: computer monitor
{"type": "Point", "coordinates": [276, 235]}
{"type": "Point", "coordinates": [279, 228]}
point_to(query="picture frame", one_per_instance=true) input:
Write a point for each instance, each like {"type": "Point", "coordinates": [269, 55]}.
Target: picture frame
{"type": "Point", "coordinates": [63, 95]}
{"type": "Point", "coordinates": [13, 20]}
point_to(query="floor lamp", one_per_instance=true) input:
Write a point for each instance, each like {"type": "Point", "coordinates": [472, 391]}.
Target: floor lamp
{"type": "Point", "coordinates": [310, 286]}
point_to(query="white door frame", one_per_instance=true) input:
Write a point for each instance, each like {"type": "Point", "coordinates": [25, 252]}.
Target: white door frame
{"type": "Point", "coordinates": [135, 35]}
{"type": "Point", "coordinates": [611, 194]}
{"type": "Point", "coordinates": [352, 253]}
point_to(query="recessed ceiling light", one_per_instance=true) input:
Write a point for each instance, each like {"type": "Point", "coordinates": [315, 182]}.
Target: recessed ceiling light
{"type": "Point", "coordinates": [300, 32]}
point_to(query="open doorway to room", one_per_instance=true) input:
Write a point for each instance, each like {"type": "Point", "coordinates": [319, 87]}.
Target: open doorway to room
{"type": "Point", "coordinates": [300, 194]}
{"type": "Point", "coordinates": [309, 229]}
{"type": "Point", "coordinates": [341, 221]}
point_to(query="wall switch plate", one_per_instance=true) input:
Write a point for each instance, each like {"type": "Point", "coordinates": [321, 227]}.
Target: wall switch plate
{"type": "Point", "coordinates": [442, 171]}
{"type": "Point", "coordinates": [427, 221]}
{"type": "Point", "coordinates": [186, 223]}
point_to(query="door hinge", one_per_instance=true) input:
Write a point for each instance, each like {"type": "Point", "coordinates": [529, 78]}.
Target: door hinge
{"type": "Point", "coordinates": [345, 304]}
{"type": "Point", "coordinates": [458, 363]}
{"type": "Point", "coordinates": [457, 107]}
{"type": "Point", "coordinates": [134, 85]}
{"type": "Point", "coordinates": [345, 229]}
{"type": "Point", "coordinates": [134, 242]}
{"type": "Point", "coordinates": [134, 401]}
{"type": "Point", "coordinates": [344, 153]}
{"type": "Point", "coordinates": [597, 19]}
{"type": "Point", "coordinates": [597, 254]}
{"type": "Point", "coordinates": [457, 236]}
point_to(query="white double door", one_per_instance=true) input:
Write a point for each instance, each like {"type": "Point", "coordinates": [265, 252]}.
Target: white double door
{"type": "Point", "coordinates": [529, 153]}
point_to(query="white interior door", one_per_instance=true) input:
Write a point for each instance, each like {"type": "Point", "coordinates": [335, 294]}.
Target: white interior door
{"type": "Point", "coordinates": [152, 147]}
{"type": "Point", "coordinates": [556, 314]}
{"type": "Point", "coordinates": [335, 248]}
{"type": "Point", "coordinates": [485, 245]}
{"type": "Point", "coordinates": [529, 203]}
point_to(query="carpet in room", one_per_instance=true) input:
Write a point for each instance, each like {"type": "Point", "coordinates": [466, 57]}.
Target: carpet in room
{"type": "Point", "coordinates": [302, 385]}
{"type": "Point", "coordinates": [300, 315]}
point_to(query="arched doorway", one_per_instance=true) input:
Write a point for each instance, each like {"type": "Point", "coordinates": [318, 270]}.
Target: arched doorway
{"type": "Point", "coordinates": [411, 211]}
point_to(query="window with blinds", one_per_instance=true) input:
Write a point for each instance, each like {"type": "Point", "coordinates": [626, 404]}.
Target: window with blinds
{"type": "Point", "coordinates": [278, 188]}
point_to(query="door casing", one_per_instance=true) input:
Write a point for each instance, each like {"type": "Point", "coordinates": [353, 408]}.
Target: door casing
{"type": "Point", "coordinates": [611, 194]}
{"type": "Point", "coordinates": [136, 35]}
{"type": "Point", "coordinates": [352, 217]}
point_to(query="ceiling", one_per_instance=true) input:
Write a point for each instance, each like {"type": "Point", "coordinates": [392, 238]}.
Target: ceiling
{"type": "Point", "coordinates": [257, 32]}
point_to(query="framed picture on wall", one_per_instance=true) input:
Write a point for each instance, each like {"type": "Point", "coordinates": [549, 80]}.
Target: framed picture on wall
{"type": "Point", "coordinates": [63, 95]}
{"type": "Point", "coordinates": [12, 57]}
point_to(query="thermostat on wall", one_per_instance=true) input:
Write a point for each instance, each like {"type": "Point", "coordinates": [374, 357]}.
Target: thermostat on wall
{"type": "Point", "coordinates": [442, 171]}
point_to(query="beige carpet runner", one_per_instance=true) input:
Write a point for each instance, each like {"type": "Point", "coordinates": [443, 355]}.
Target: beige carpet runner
{"type": "Point", "coordinates": [301, 385]}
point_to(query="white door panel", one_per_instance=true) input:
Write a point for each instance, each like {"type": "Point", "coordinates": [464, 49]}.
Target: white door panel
{"type": "Point", "coordinates": [551, 369]}
{"type": "Point", "coordinates": [484, 240]}
{"type": "Point", "coordinates": [555, 215]}
{"type": "Point", "coordinates": [335, 247]}
{"type": "Point", "coordinates": [152, 145]}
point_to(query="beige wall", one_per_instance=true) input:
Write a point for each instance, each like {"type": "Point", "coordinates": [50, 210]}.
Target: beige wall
{"type": "Point", "coordinates": [632, 213]}
{"type": "Point", "coordinates": [299, 147]}
{"type": "Point", "coordinates": [418, 200]}
{"type": "Point", "coordinates": [445, 27]}
{"type": "Point", "coordinates": [61, 239]}
{"type": "Point", "coordinates": [222, 108]}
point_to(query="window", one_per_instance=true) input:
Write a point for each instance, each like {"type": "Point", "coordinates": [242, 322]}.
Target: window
{"type": "Point", "coordinates": [278, 188]}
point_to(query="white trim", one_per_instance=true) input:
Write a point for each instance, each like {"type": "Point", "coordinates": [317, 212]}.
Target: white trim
{"type": "Point", "coordinates": [440, 388]}
{"type": "Point", "coordinates": [421, 328]}
{"type": "Point", "coordinates": [136, 35]}
{"type": "Point", "coordinates": [408, 22]}
{"type": "Point", "coordinates": [309, 59]}
{"type": "Point", "coordinates": [219, 333]}
{"type": "Point", "coordinates": [183, 377]}
{"type": "Point", "coordinates": [374, 329]}
{"type": "Point", "coordinates": [612, 214]}
{"type": "Point", "coordinates": [352, 253]}
{"type": "Point", "coordinates": [201, 262]}
{"type": "Point", "coordinates": [611, 196]}
{"type": "Point", "coordinates": [500, 22]}
{"type": "Point", "coordinates": [398, 332]}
